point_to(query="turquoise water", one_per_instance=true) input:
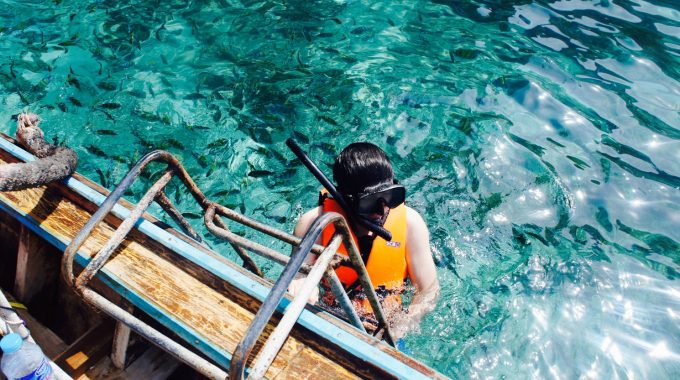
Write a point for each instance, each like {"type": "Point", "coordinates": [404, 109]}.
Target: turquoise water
{"type": "Point", "coordinates": [540, 141]}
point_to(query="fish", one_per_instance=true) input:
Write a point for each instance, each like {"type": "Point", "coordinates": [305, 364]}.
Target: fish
{"type": "Point", "coordinates": [194, 96]}
{"type": "Point", "coordinates": [96, 151]}
{"type": "Point", "coordinates": [108, 115]}
{"type": "Point", "coordinates": [69, 42]}
{"type": "Point", "coordinates": [465, 125]}
{"type": "Point", "coordinates": [218, 143]}
{"type": "Point", "coordinates": [108, 86]}
{"type": "Point", "coordinates": [23, 97]}
{"type": "Point", "coordinates": [193, 127]}
{"type": "Point", "coordinates": [327, 148]}
{"type": "Point", "coordinates": [579, 163]}
{"type": "Point", "coordinates": [210, 171]}
{"type": "Point", "coordinates": [192, 215]}
{"type": "Point", "coordinates": [73, 81]}
{"type": "Point", "coordinates": [359, 30]}
{"type": "Point", "coordinates": [217, 116]}
{"type": "Point", "coordinates": [301, 137]}
{"type": "Point", "coordinates": [40, 86]}
{"type": "Point", "coordinates": [328, 120]}
{"type": "Point", "coordinates": [347, 58]}
{"type": "Point", "coordinates": [105, 132]}
{"type": "Point", "coordinates": [166, 82]}
{"type": "Point", "coordinates": [137, 93]}
{"type": "Point", "coordinates": [466, 53]}
{"type": "Point", "coordinates": [221, 193]}
{"type": "Point", "coordinates": [259, 173]}
{"type": "Point", "coordinates": [148, 116]}
{"type": "Point", "coordinates": [555, 142]}
{"type": "Point", "coordinates": [536, 149]}
{"type": "Point", "coordinates": [75, 101]}
{"type": "Point", "coordinates": [103, 180]}
{"type": "Point", "coordinates": [201, 159]}
{"type": "Point", "coordinates": [110, 106]}
{"type": "Point", "coordinates": [121, 159]}
{"type": "Point", "coordinates": [175, 143]}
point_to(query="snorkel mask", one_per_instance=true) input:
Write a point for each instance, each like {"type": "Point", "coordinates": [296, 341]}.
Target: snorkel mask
{"type": "Point", "coordinates": [371, 200]}
{"type": "Point", "coordinates": [354, 218]}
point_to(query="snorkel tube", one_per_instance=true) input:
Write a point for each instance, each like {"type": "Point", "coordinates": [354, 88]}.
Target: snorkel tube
{"type": "Point", "coordinates": [353, 217]}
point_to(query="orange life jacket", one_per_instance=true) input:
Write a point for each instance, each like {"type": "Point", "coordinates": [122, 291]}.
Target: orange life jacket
{"type": "Point", "coordinates": [386, 264]}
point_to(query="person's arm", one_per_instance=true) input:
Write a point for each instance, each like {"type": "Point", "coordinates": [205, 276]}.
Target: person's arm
{"type": "Point", "coordinates": [421, 270]}
{"type": "Point", "coordinates": [300, 230]}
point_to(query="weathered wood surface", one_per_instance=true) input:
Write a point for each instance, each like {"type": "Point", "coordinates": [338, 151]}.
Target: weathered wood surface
{"type": "Point", "coordinates": [147, 268]}
{"type": "Point", "coordinates": [35, 267]}
{"type": "Point", "coordinates": [88, 350]}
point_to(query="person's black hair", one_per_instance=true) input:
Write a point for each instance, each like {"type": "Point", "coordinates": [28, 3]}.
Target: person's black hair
{"type": "Point", "coordinates": [361, 165]}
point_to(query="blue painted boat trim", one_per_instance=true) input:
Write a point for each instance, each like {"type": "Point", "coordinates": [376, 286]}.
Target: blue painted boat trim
{"type": "Point", "coordinates": [214, 352]}
{"type": "Point", "coordinates": [323, 328]}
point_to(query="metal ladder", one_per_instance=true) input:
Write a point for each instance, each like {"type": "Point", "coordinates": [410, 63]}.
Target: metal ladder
{"type": "Point", "coordinates": [323, 267]}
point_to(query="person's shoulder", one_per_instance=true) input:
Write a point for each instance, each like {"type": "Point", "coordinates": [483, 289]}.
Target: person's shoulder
{"type": "Point", "coordinates": [417, 231]}
{"type": "Point", "coordinates": [413, 217]}
{"type": "Point", "coordinates": [306, 220]}
{"type": "Point", "coordinates": [312, 213]}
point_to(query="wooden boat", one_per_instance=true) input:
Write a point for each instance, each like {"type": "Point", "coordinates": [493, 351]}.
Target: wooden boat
{"type": "Point", "coordinates": [174, 283]}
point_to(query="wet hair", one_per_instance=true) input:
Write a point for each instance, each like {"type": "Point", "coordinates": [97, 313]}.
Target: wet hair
{"type": "Point", "coordinates": [360, 166]}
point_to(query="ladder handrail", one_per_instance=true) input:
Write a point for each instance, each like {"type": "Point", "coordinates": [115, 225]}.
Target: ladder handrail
{"type": "Point", "coordinates": [215, 225]}
{"type": "Point", "coordinates": [275, 341]}
{"type": "Point", "coordinates": [264, 314]}
{"type": "Point", "coordinates": [80, 284]}
{"type": "Point", "coordinates": [276, 294]}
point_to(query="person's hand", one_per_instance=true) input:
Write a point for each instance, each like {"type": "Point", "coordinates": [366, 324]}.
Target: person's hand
{"type": "Point", "coordinates": [295, 287]}
{"type": "Point", "coordinates": [399, 325]}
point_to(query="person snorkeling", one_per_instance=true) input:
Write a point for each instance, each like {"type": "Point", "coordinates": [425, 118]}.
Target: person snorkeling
{"type": "Point", "coordinates": [365, 179]}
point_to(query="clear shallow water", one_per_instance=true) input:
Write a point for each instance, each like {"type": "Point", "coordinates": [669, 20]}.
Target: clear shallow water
{"type": "Point", "coordinates": [540, 140]}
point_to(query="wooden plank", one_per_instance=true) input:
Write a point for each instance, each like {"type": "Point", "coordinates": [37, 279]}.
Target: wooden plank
{"type": "Point", "coordinates": [198, 303]}
{"type": "Point", "coordinates": [104, 369]}
{"type": "Point", "coordinates": [86, 351]}
{"type": "Point", "coordinates": [121, 339]}
{"type": "Point", "coordinates": [9, 241]}
{"type": "Point", "coordinates": [154, 364]}
{"type": "Point", "coordinates": [36, 267]}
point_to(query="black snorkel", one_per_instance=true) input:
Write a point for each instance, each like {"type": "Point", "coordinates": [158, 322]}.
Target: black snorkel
{"type": "Point", "coordinates": [353, 217]}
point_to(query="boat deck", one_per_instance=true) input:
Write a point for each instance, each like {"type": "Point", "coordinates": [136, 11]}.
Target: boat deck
{"type": "Point", "coordinates": [208, 311]}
